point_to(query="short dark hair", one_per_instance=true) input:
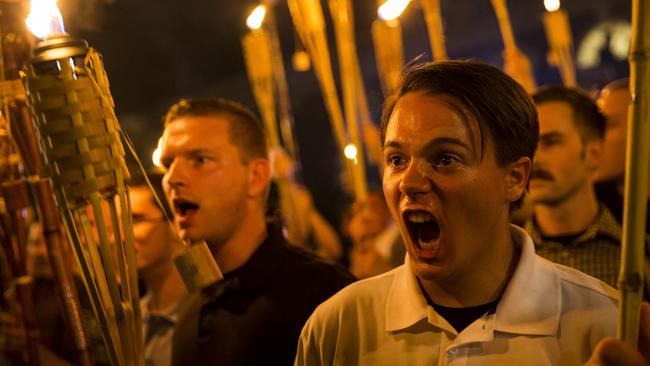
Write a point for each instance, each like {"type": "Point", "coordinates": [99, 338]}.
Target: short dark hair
{"type": "Point", "coordinates": [155, 178]}
{"type": "Point", "coordinates": [245, 129]}
{"type": "Point", "coordinates": [501, 107]}
{"type": "Point", "coordinates": [587, 117]}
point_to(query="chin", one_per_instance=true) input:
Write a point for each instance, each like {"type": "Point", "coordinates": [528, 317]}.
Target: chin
{"type": "Point", "coordinates": [425, 269]}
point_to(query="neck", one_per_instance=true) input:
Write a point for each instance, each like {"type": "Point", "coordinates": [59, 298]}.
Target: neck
{"type": "Point", "coordinates": [573, 215]}
{"type": "Point", "coordinates": [166, 287]}
{"type": "Point", "coordinates": [241, 245]}
{"type": "Point", "coordinates": [490, 272]}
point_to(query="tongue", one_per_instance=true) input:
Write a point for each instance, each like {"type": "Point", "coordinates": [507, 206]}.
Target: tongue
{"type": "Point", "coordinates": [428, 232]}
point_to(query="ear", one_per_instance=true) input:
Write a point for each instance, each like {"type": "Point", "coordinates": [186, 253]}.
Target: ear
{"type": "Point", "coordinates": [259, 176]}
{"type": "Point", "coordinates": [516, 180]}
{"type": "Point", "coordinates": [593, 153]}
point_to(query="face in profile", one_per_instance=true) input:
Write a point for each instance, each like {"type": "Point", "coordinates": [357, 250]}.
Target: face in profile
{"type": "Point", "coordinates": [614, 105]}
{"type": "Point", "coordinates": [205, 181]}
{"type": "Point", "coordinates": [447, 195]}
{"type": "Point", "coordinates": [563, 162]}
{"type": "Point", "coordinates": [154, 241]}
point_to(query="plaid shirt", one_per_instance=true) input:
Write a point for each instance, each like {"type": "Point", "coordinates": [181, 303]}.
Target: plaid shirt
{"type": "Point", "coordinates": [596, 252]}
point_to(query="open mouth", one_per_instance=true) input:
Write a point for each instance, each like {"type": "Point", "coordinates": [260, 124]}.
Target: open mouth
{"type": "Point", "coordinates": [184, 208]}
{"type": "Point", "coordinates": [423, 228]}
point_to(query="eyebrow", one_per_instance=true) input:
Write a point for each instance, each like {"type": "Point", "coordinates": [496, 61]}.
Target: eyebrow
{"type": "Point", "coordinates": [552, 134]}
{"type": "Point", "coordinates": [432, 143]}
{"type": "Point", "coordinates": [191, 152]}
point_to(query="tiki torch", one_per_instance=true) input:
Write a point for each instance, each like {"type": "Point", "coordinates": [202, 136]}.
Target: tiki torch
{"type": "Point", "coordinates": [560, 43]}
{"type": "Point", "coordinates": [343, 20]}
{"type": "Point", "coordinates": [434, 26]}
{"type": "Point", "coordinates": [630, 281]}
{"type": "Point", "coordinates": [259, 55]}
{"type": "Point", "coordinates": [79, 142]}
{"type": "Point", "coordinates": [516, 63]}
{"type": "Point", "coordinates": [389, 53]}
{"type": "Point", "coordinates": [308, 19]}
{"type": "Point", "coordinates": [56, 243]}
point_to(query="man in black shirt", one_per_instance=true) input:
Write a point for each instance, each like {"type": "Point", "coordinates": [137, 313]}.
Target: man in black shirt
{"type": "Point", "coordinates": [217, 179]}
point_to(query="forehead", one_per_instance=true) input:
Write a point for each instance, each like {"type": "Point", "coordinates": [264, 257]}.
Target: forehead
{"type": "Point", "coordinates": [196, 132]}
{"type": "Point", "coordinates": [418, 117]}
{"type": "Point", "coordinates": [555, 115]}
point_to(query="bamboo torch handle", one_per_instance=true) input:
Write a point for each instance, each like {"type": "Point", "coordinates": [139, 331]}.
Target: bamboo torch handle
{"type": "Point", "coordinates": [434, 26]}
{"type": "Point", "coordinates": [501, 11]}
{"type": "Point", "coordinates": [636, 177]}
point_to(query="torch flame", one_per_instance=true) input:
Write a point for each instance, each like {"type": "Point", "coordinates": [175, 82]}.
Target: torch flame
{"type": "Point", "coordinates": [392, 9]}
{"type": "Point", "coordinates": [552, 5]}
{"type": "Point", "coordinates": [155, 157]}
{"type": "Point", "coordinates": [254, 21]}
{"type": "Point", "coordinates": [44, 18]}
{"type": "Point", "coordinates": [350, 152]}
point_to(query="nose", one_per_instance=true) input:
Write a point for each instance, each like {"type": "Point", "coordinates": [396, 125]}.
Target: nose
{"type": "Point", "coordinates": [415, 181]}
{"type": "Point", "coordinates": [175, 177]}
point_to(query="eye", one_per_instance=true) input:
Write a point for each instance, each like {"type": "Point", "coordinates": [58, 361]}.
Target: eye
{"type": "Point", "coordinates": [447, 160]}
{"type": "Point", "coordinates": [165, 164]}
{"type": "Point", "coordinates": [199, 160]}
{"type": "Point", "coordinates": [396, 160]}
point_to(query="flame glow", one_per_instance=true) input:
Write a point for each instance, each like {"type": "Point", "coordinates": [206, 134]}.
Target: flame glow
{"type": "Point", "coordinates": [155, 157]}
{"type": "Point", "coordinates": [392, 9]}
{"type": "Point", "coordinates": [552, 5]}
{"type": "Point", "coordinates": [350, 152]}
{"type": "Point", "coordinates": [254, 21]}
{"type": "Point", "coordinates": [44, 18]}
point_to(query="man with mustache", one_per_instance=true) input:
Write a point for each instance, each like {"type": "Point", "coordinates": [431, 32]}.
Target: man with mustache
{"type": "Point", "coordinates": [458, 141]}
{"type": "Point", "coordinates": [217, 178]}
{"type": "Point", "coordinates": [569, 225]}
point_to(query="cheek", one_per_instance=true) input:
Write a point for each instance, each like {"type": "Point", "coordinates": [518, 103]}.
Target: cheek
{"type": "Point", "coordinates": [392, 195]}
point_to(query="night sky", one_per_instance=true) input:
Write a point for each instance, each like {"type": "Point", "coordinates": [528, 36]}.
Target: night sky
{"type": "Point", "coordinates": [157, 51]}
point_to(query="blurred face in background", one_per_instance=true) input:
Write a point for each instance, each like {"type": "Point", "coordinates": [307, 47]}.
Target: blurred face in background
{"type": "Point", "coordinates": [154, 240]}
{"type": "Point", "coordinates": [614, 104]}
{"type": "Point", "coordinates": [368, 219]}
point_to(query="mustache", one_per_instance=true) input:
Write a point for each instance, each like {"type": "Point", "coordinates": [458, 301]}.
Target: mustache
{"type": "Point", "coordinates": [539, 173]}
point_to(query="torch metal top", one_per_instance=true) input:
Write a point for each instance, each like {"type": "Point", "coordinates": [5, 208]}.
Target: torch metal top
{"type": "Point", "coordinates": [58, 47]}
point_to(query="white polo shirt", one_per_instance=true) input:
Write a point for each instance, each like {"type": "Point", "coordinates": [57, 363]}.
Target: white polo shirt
{"type": "Point", "coordinates": [549, 314]}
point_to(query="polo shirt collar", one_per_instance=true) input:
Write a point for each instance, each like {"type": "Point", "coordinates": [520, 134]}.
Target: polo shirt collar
{"type": "Point", "coordinates": [405, 304]}
{"type": "Point", "coordinates": [530, 303]}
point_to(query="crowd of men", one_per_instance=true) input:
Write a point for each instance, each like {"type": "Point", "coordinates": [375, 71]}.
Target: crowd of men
{"type": "Point", "coordinates": [447, 278]}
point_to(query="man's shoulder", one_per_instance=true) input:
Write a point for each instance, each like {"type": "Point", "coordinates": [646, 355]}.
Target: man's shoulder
{"type": "Point", "coordinates": [584, 285]}
{"type": "Point", "coordinates": [300, 261]}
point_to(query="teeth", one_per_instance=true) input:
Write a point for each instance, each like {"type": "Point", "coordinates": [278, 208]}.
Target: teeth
{"type": "Point", "coordinates": [420, 217]}
{"type": "Point", "coordinates": [427, 245]}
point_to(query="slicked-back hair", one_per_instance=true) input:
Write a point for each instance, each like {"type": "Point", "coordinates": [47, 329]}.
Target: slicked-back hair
{"type": "Point", "coordinates": [587, 117]}
{"type": "Point", "coordinates": [504, 112]}
{"type": "Point", "coordinates": [245, 129]}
